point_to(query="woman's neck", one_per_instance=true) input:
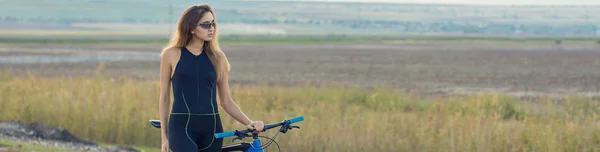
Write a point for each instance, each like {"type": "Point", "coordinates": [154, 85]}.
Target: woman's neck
{"type": "Point", "coordinates": [195, 46]}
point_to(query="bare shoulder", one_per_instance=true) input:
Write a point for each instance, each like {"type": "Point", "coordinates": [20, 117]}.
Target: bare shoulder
{"type": "Point", "coordinates": [220, 53]}
{"type": "Point", "coordinates": [171, 55]}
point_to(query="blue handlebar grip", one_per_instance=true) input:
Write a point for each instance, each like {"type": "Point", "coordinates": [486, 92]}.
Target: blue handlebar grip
{"type": "Point", "coordinates": [224, 134]}
{"type": "Point", "coordinates": [297, 119]}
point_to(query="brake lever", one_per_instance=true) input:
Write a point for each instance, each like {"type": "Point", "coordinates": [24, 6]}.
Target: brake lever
{"type": "Point", "coordinates": [240, 137]}
{"type": "Point", "coordinates": [237, 138]}
{"type": "Point", "coordinates": [287, 127]}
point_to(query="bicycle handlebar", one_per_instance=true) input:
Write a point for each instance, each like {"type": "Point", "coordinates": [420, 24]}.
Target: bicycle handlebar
{"type": "Point", "coordinates": [267, 127]}
{"type": "Point", "coordinates": [297, 119]}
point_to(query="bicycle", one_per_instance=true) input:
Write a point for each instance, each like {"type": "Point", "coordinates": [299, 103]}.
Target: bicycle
{"type": "Point", "coordinates": [255, 145]}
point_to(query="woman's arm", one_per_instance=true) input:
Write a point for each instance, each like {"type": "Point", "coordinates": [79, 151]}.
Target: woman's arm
{"type": "Point", "coordinates": [226, 101]}
{"type": "Point", "coordinates": [165, 95]}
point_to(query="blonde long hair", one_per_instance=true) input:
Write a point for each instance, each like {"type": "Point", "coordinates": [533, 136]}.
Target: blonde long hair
{"type": "Point", "coordinates": [182, 36]}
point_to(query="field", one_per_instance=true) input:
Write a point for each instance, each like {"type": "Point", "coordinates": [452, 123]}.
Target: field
{"type": "Point", "coordinates": [376, 96]}
{"type": "Point", "coordinates": [424, 66]}
{"type": "Point", "coordinates": [367, 77]}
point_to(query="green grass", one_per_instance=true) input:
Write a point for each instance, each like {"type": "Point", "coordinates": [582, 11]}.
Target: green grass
{"type": "Point", "coordinates": [223, 39]}
{"type": "Point", "coordinates": [79, 40]}
{"type": "Point", "coordinates": [14, 146]}
{"type": "Point", "coordinates": [147, 149]}
{"type": "Point", "coordinates": [20, 146]}
{"type": "Point", "coordinates": [299, 39]}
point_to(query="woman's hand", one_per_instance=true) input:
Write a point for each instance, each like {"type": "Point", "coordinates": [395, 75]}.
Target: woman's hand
{"type": "Point", "coordinates": [165, 145]}
{"type": "Point", "coordinates": [257, 126]}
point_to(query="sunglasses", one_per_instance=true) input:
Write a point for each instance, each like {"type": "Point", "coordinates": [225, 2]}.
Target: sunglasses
{"type": "Point", "coordinates": [206, 25]}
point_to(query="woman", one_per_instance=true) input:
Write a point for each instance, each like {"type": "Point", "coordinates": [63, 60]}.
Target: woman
{"type": "Point", "coordinates": [197, 68]}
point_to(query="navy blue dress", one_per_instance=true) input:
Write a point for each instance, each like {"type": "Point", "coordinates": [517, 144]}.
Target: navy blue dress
{"type": "Point", "coordinates": [194, 117]}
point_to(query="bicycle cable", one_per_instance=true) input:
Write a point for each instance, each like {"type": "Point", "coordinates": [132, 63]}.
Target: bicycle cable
{"type": "Point", "coordinates": [272, 140]}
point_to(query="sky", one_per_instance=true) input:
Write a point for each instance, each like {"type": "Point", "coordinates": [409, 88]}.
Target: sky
{"type": "Point", "coordinates": [492, 2]}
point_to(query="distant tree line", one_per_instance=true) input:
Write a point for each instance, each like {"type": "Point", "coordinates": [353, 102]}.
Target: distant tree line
{"type": "Point", "coordinates": [442, 26]}
{"type": "Point", "coordinates": [76, 20]}
{"type": "Point", "coordinates": [447, 26]}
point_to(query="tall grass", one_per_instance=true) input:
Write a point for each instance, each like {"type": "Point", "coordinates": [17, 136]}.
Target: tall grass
{"type": "Point", "coordinates": [336, 118]}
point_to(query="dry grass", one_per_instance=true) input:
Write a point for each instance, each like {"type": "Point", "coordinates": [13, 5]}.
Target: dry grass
{"type": "Point", "coordinates": [336, 118]}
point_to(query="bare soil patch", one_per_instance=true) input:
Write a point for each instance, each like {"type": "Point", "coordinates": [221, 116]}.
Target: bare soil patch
{"type": "Point", "coordinates": [517, 69]}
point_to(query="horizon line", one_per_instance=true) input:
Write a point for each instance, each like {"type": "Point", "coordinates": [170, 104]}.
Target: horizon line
{"type": "Point", "coordinates": [424, 3]}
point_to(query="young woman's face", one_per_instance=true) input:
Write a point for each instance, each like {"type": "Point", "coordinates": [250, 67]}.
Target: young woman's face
{"type": "Point", "coordinates": [205, 27]}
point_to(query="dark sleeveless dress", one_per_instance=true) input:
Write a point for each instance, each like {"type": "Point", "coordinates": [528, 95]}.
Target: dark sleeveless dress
{"type": "Point", "coordinates": [194, 118]}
